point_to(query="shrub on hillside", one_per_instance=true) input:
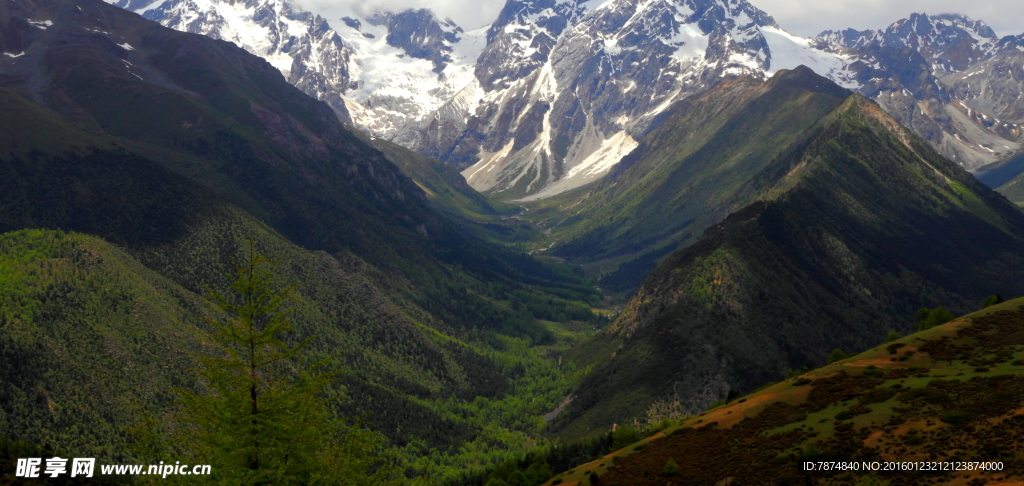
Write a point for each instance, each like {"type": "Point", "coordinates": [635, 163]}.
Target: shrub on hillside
{"type": "Point", "coordinates": [992, 300]}
{"type": "Point", "coordinates": [929, 318]}
{"type": "Point", "coordinates": [671, 468]}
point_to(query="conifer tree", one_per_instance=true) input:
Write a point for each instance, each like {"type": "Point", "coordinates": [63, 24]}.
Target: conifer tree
{"type": "Point", "coordinates": [260, 417]}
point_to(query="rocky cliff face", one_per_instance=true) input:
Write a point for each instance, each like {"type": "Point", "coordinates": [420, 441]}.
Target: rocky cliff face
{"type": "Point", "coordinates": [604, 83]}
{"type": "Point", "coordinates": [921, 70]}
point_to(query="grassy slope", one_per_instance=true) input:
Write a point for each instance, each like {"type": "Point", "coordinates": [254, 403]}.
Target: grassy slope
{"type": "Point", "coordinates": [856, 231]}
{"type": "Point", "coordinates": [952, 393]}
{"type": "Point", "coordinates": [443, 185]}
{"type": "Point", "coordinates": [689, 173]}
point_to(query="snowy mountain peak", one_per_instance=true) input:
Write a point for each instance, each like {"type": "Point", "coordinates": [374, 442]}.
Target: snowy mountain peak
{"type": "Point", "coordinates": [422, 35]}
{"type": "Point", "coordinates": [408, 65]}
{"type": "Point", "coordinates": [565, 115]}
{"type": "Point", "coordinates": [1011, 42]}
{"type": "Point", "coordinates": [522, 37]}
{"type": "Point", "coordinates": [953, 41]}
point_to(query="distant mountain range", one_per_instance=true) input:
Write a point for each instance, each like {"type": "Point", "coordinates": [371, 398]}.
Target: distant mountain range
{"type": "Point", "coordinates": [551, 95]}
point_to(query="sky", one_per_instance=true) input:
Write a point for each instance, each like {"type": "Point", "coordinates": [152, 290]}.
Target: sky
{"type": "Point", "coordinates": [801, 17]}
{"type": "Point", "coordinates": [809, 17]}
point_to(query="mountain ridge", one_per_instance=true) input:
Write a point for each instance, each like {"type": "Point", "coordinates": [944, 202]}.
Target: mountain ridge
{"type": "Point", "coordinates": [802, 271]}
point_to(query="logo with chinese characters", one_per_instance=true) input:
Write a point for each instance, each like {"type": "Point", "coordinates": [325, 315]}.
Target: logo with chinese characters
{"type": "Point", "coordinates": [33, 467]}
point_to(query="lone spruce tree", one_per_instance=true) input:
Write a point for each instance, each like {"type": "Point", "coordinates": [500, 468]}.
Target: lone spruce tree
{"type": "Point", "coordinates": [260, 417]}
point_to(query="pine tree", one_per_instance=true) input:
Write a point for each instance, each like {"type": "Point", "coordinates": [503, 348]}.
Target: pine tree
{"type": "Point", "coordinates": [260, 417]}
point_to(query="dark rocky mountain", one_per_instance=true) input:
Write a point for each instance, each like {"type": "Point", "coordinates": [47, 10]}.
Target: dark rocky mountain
{"type": "Point", "coordinates": [850, 229]}
{"type": "Point", "coordinates": [421, 35]}
{"type": "Point", "coordinates": [307, 51]}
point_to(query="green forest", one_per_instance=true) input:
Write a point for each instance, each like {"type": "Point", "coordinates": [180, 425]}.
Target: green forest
{"type": "Point", "coordinates": [72, 304]}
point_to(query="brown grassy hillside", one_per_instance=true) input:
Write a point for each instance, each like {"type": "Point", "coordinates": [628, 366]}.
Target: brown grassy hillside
{"type": "Point", "coordinates": [953, 393]}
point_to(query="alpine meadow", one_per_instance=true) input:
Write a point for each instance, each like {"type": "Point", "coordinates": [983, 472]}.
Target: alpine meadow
{"type": "Point", "coordinates": [621, 242]}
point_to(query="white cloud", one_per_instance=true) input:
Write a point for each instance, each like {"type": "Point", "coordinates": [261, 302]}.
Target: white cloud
{"type": "Point", "coordinates": [809, 17]}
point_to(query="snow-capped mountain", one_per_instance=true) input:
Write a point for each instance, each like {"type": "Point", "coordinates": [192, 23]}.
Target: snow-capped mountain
{"type": "Point", "coordinates": [408, 65]}
{"type": "Point", "coordinates": [381, 73]}
{"type": "Point", "coordinates": [568, 100]}
{"type": "Point", "coordinates": [952, 42]}
{"type": "Point", "coordinates": [554, 93]}
{"type": "Point", "coordinates": [921, 70]}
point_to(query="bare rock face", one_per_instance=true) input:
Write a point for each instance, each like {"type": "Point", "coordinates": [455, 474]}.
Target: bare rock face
{"type": "Point", "coordinates": [569, 89]}
{"type": "Point", "coordinates": [921, 71]}
{"type": "Point", "coordinates": [422, 36]}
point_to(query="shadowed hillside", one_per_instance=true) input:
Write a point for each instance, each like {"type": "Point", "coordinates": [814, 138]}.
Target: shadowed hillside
{"type": "Point", "coordinates": [698, 166]}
